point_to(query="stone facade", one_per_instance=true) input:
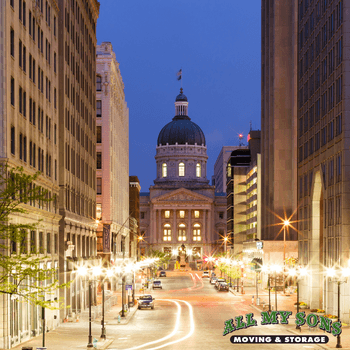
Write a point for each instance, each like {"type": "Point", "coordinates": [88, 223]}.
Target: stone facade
{"type": "Point", "coordinates": [112, 158]}
{"type": "Point", "coordinates": [29, 121]}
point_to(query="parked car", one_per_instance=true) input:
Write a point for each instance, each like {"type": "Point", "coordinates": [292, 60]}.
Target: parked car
{"type": "Point", "coordinates": [223, 286]}
{"type": "Point", "coordinates": [162, 274]}
{"type": "Point", "coordinates": [205, 274]}
{"type": "Point", "coordinates": [213, 274]}
{"type": "Point", "coordinates": [219, 280]}
{"type": "Point", "coordinates": [213, 280]}
{"type": "Point", "coordinates": [145, 301]}
{"type": "Point", "coordinates": [157, 284]}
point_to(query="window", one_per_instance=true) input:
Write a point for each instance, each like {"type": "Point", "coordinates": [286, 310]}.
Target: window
{"type": "Point", "coordinates": [12, 91]}
{"type": "Point", "coordinates": [324, 135]}
{"type": "Point", "coordinates": [98, 108]}
{"type": "Point", "coordinates": [12, 39]}
{"type": "Point", "coordinates": [12, 139]}
{"type": "Point", "coordinates": [98, 82]}
{"type": "Point", "coordinates": [32, 242]}
{"type": "Point", "coordinates": [197, 232]}
{"type": "Point", "coordinates": [20, 51]}
{"type": "Point", "coordinates": [99, 134]}
{"type": "Point", "coordinates": [338, 126]}
{"type": "Point", "coordinates": [181, 169]}
{"type": "Point", "coordinates": [99, 160]}
{"type": "Point", "coordinates": [167, 214]}
{"type": "Point", "coordinates": [198, 170]}
{"type": "Point", "coordinates": [182, 214]}
{"type": "Point", "coordinates": [221, 214]}
{"type": "Point", "coordinates": [338, 168]}
{"type": "Point", "coordinates": [98, 211]}
{"type": "Point", "coordinates": [196, 214]}
{"type": "Point", "coordinates": [48, 243]}
{"type": "Point", "coordinates": [142, 215]}
{"type": "Point", "coordinates": [331, 130]}
{"type": "Point", "coordinates": [339, 49]}
{"type": "Point", "coordinates": [41, 243]}
{"type": "Point", "coordinates": [166, 232]}
{"type": "Point", "coordinates": [99, 185]}
{"type": "Point", "coordinates": [164, 170]}
{"type": "Point", "coordinates": [181, 233]}
{"type": "Point", "coordinates": [339, 89]}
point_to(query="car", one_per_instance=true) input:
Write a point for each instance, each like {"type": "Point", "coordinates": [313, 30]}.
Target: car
{"type": "Point", "coordinates": [213, 274]}
{"type": "Point", "coordinates": [162, 274]}
{"type": "Point", "coordinates": [219, 280]}
{"type": "Point", "coordinates": [145, 301]}
{"type": "Point", "coordinates": [223, 286]}
{"type": "Point", "coordinates": [205, 274]}
{"type": "Point", "coordinates": [157, 284]}
{"type": "Point", "coordinates": [213, 280]}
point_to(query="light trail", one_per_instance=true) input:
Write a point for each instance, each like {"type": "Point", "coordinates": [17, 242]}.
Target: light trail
{"type": "Point", "coordinates": [176, 328]}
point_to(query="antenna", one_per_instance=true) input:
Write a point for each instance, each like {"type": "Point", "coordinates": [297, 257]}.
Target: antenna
{"type": "Point", "coordinates": [240, 136]}
{"type": "Point", "coordinates": [250, 125]}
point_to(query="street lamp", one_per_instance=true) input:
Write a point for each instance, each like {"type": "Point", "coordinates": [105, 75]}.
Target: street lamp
{"type": "Point", "coordinates": [339, 276]}
{"type": "Point", "coordinates": [225, 241]}
{"type": "Point", "coordinates": [266, 269]}
{"type": "Point", "coordinates": [297, 272]}
{"type": "Point", "coordinates": [286, 223]}
{"type": "Point", "coordinates": [276, 268]}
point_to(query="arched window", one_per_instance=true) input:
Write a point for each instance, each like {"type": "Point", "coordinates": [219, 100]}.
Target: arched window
{"type": "Point", "coordinates": [182, 169]}
{"type": "Point", "coordinates": [98, 82]}
{"type": "Point", "coordinates": [198, 170]}
{"type": "Point", "coordinates": [181, 232]}
{"type": "Point", "coordinates": [197, 232]}
{"type": "Point", "coordinates": [166, 232]}
{"type": "Point", "coordinates": [164, 170]}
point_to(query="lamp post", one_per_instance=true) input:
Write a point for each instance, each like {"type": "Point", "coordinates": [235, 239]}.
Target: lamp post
{"type": "Point", "coordinates": [339, 275]}
{"type": "Point", "coordinates": [276, 268]}
{"type": "Point", "coordinates": [286, 223]}
{"type": "Point", "coordinates": [225, 241]}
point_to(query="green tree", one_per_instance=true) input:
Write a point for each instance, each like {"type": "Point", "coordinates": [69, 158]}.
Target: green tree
{"type": "Point", "coordinates": [161, 258]}
{"type": "Point", "coordinates": [23, 273]}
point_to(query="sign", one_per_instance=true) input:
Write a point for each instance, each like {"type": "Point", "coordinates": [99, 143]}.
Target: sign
{"type": "Point", "coordinates": [259, 245]}
{"type": "Point", "coordinates": [106, 238]}
{"type": "Point", "coordinates": [128, 287]}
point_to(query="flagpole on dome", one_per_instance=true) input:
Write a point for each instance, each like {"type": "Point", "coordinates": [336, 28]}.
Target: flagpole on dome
{"type": "Point", "coordinates": [179, 76]}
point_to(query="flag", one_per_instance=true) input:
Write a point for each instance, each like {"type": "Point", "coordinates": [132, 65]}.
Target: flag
{"type": "Point", "coordinates": [179, 74]}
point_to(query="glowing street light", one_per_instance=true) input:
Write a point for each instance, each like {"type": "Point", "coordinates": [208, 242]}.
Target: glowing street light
{"type": "Point", "coordinates": [286, 223]}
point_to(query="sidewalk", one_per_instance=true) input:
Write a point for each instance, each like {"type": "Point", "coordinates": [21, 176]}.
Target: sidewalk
{"type": "Point", "coordinates": [286, 303]}
{"type": "Point", "coordinates": [75, 334]}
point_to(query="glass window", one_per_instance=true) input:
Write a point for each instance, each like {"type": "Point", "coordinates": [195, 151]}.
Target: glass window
{"type": "Point", "coordinates": [197, 232]}
{"type": "Point", "coordinates": [98, 108]}
{"type": "Point", "coordinates": [98, 211]}
{"type": "Point", "coordinates": [164, 170]}
{"type": "Point", "coordinates": [99, 134]}
{"type": "Point", "coordinates": [182, 213]}
{"type": "Point", "coordinates": [167, 214]}
{"type": "Point", "coordinates": [182, 169]}
{"type": "Point", "coordinates": [99, 160]}
{"type": "Point", "coordinates": [196, 214]}
{"type": "Point", "coordinates": [181, 232]}
{"type": "Point", "coordinates": [98, 82]}
{"type": "Point", "coordinates": [99, 185]}
{"type": "Point", "coordinates": [167, 232]}
{"type": "Point", "coordinates": [198, 170]}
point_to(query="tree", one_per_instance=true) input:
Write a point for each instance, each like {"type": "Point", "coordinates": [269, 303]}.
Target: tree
{"type": "Point", "coordinates": [162, 258]}
{"type": "Point", "coordinates": [23, 274]}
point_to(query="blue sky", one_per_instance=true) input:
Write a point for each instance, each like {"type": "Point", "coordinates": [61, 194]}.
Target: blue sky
{"type": "Point", "coordinates": [216, 43]}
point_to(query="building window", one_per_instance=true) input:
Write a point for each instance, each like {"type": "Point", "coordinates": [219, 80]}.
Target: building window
{"type": "Point", "coordinates": [12, 91]}
{"type": "Point", "coordinates": [221, 214]}
{"type": "Point", "coordinates": [338, 125]}
{"type": "Point", "coordinates": [98, 211]}
{"type": "Point", "coordinates": [166, 232]}
{"type": "Point", "coordinates": [198, 170]}
{"type": "Point", "coordinates": [41, 242]}
{"type": "Point", "coordinates": [196, 214]}
{"type": "Point", "coordinates": [99, 160]}
{"type": "Point", "coordinates": [181, 232]}
{"type": "Point", "coordinates": [98, 108]}
{"type": "Point", "coordinates": [142, 215]}
{"type": "Point", "coordinates": [32, 242]}
{"type": "Point", "coordinates": [13, 140]}
{"type": "Point", "coordinates": [99, 185]}
{"type": "Point", "coordinates": [48, 243]}
{"type": "Point", "coordinates": [167, 214]}
{"type": "Point", "coordinates": [182, 214]}
{"type": "Point", "coordinates": [12, 45]}
{"type": "Point", "coordinates": [99, 134]}
{"type": "Point", "coordinates": [164, 170]}
{"type": "Point", "coordinates": [98, 82]}
{"type": "Point", "coordinates": [197, 232]}
{"type": "Point", "coordinates": [181, 169]}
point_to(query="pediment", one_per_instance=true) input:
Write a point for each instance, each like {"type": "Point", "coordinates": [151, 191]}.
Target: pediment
{"type": "Point", "coordinates": [182, 195]}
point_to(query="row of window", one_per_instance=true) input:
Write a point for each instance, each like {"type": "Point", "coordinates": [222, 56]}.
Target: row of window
{"type": "Point", "coordinates": [331, 25]}
{"type": "Point", "coordinates": [181, 232]}
{"type": "Point", "coordinates": [305, 181]}
{"type": "Point", "coordinates": [181, 169]}
{"type": "Point", "coordinates": [321, 138]}
{"type": "Point", "coordinates": [77, 203]}
{"type": "Point", "coordinates": [34, 243]}
{"type": "Point", "coordinates": [166, 213]}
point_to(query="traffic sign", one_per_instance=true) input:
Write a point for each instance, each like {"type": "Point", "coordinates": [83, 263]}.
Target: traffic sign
{"type": "Point", "coordinates": [128, 286]}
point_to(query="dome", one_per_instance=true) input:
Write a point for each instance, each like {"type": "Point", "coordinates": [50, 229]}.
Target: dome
{"type": "Point", "coordinates": [181, 130]}
{"type": "Point", "coordinates": [181, 97]}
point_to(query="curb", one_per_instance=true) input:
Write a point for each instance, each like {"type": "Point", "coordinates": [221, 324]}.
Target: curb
{"type": "Point", "coordinates": [105, 344]}
{"type": "Point", "coordinates": [123, 321]}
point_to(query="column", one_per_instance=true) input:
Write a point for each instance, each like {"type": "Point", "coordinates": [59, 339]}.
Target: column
{"type": "Point", "coordinates": [151, 223]}
{"type": "Point", "coordinates": [159, 234]}
{"type": "Point", "coordinates": [204, 237]}
{"type": "Point", "coordinates": [174, 233]}
{"type": "Point", "coordinates": [190, 232]}
{"type": "Point", "coordinates": [210, 226]}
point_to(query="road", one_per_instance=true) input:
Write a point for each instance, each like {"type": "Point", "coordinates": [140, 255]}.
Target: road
{"type": "Point", "coordinates": [190, 313]}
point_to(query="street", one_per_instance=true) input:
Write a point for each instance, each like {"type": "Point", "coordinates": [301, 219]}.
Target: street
{"type": "Point", "coordinates": [190, 313]}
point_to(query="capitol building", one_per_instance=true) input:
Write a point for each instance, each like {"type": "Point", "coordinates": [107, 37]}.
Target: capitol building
{"type": "Point", "coordinates": [181, 212]}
